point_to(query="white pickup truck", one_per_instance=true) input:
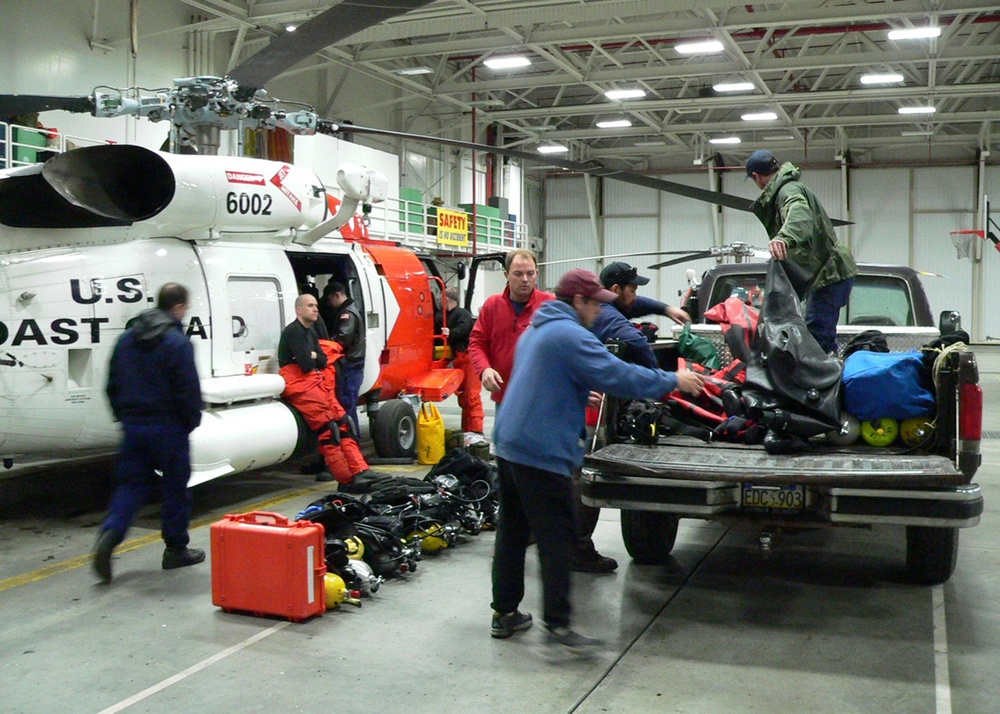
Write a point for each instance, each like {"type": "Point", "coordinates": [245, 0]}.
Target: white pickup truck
{"type": "Point", "coordinates": [927, 489]}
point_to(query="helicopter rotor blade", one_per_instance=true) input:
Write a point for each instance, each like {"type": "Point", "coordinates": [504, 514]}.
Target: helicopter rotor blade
{"type": "Point", "coordinates": [691, 255]}
{"type": "Point", "coordinates": [616, 255]}
{"type": "Point", "coordinates": [329, 27]}
{"type": "Point", "coordinates": [15, 104]}
{"type": "Point", "coordinates": [679, 189]}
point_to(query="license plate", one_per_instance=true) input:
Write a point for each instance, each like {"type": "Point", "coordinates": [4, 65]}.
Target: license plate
{"type": "Point", "coordinates": [781, 498]}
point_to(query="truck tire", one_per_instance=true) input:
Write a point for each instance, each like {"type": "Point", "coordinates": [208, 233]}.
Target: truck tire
{"type": "Point", "coordinates": [931, 553]}
{"type": "Point", "coordinates": [649, 535]}
{"type": "Point", "coordinates": [394, 430]}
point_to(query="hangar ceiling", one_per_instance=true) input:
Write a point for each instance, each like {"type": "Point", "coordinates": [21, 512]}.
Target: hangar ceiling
{"type": "Point", "coordinates": [803, 62]}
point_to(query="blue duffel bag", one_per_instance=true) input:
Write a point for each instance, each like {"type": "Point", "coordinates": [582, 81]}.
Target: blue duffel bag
{"type": "Point", "coordinates": [886, 384]}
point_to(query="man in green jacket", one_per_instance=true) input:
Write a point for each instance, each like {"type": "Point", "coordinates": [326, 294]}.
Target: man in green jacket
{"type": "Point", "coordinates": [821, 269]}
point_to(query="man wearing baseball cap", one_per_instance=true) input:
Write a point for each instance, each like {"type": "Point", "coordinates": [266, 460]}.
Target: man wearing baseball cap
{"type": "Point", "coordinates": [538, 445]}
{"type": "Point", "coordinates": [801, 233]}
{"type": "Point", "coordinates": [614, 321]}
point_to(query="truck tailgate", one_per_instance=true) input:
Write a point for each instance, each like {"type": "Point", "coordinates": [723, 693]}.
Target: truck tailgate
{"type": "Point", "coordinates": [683, 458]}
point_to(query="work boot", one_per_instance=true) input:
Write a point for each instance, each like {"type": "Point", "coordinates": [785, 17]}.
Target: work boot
{"type": "Point", "coordinates": [325, 476]}
{"type": "Point", "coordinates": [182, 557]}
{"type": "Point", "coordinates": [103, 549]}
{"type": "Point", "coordinates": [588, 560]}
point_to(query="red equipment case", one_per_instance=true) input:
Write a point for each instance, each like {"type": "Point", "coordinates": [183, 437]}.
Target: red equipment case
{"type": "Point", "coordinates": [265, 565]}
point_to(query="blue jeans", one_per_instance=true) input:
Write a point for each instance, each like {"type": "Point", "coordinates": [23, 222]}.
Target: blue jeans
{"type": "Point", "coordinates": [352, 374]}
{"type": "Point", "coordinates": [539, 502]}
{"type": "Point", "coordinates": [823, 311]}
{"type": "Point", "coordinates": [145, 448]}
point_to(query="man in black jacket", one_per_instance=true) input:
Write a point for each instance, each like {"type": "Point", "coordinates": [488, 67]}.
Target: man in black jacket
{"type": "Point", "coordinates": [155, 393]}
{"type": "Point", "coordinates": [460, 324]}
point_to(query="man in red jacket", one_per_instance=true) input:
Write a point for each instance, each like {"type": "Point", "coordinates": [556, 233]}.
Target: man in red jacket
{"type": "Point", "coordinates": [502, 319]}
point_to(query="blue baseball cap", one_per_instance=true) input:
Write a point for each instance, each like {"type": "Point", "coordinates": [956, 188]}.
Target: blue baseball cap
{"type": "Point", "coordinates": [762, 162]}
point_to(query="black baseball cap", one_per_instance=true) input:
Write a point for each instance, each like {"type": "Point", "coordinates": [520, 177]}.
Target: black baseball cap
{"type": "Point", "coordinates": [619, 273]}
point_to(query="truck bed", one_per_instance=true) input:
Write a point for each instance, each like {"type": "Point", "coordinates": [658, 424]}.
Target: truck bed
{"type": "Point", "coordinates": [684, 458]}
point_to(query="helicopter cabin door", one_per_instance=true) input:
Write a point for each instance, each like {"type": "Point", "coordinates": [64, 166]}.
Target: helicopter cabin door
{"type": "Point", "coordinates": [246, 287]}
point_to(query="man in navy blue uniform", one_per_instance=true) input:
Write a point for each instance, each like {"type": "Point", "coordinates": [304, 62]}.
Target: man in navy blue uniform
{"type": "Point", "coordinates": [155, 393]}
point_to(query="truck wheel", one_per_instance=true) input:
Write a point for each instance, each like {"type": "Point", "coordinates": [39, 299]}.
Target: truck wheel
{"type": "Point", "coordinates": [649, 535]}
{"type": "Point", "coordinates": [931, 553]}
{"type": "Point", "coordinates": [394, 430]}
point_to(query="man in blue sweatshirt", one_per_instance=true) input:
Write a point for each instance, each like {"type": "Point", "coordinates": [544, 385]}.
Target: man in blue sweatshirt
{"type": "Point", "coordinates": [538, 437]}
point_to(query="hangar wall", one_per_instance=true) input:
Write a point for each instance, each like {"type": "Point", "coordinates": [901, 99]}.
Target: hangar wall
{"type": "Point", "coordinates": [902, 215]}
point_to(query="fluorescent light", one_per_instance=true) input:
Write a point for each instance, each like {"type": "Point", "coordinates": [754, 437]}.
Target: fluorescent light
{"type": "Point", "coordinates": [917, 133]}
{"type": "Point", "coordinates": [725, 140]}
{"type": "Point", "coordinates": [759, 116]}
{"type": "Point", "coordinates": [704, 48]}
{"type": "Point", "coordinates": [412, 71]}
{"type": "Point", "coordinates": [886, 78]}
{"type": "Point", "coordinates": [613, 124]}
{"type": "Point", "coordinates": [650, 143]}
{"type": "Point", "coordinates": [688, 110]}
{"type": "Point", "coordinates": [915, 33]}
{"type": "Point", "coordinates": [734, 87]}
{"type": "Point", "coordinates": [552, 149]}
{"type": "Point", "coordinates": [291, 28]}
{"type": "Point", "coordinates": [625, 93]}
{"type": "Point", "coordinates": [917, 110]}
{"type": "Point", "coordinates": [507, 62]}
{"type": "Point", "coordinates": [778, 137]}
{"type": "Point", "coordinates": [542, 127]}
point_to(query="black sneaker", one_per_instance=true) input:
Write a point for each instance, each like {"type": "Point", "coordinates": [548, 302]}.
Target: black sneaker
{"type": "Point", "coordinates": [325, 476]}
{"type": "Point", "coordinates": [560, 644]}
{"type": "Point", "coordinates": [182, 557]}
{"type": "Point", "coordinates": [103, 549]}
{"type": "Point", "coordinates": [593, 562]}
{"type": "Point", "coordinates": [506, 625]}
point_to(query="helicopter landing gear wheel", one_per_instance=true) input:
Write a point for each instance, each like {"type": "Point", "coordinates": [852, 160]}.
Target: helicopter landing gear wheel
{"type": "Point", "coordinates": [394, 430]}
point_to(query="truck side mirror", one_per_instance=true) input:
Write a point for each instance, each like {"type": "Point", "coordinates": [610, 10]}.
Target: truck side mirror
{"type": "Point", "coordinates": [950, 321]}
{"type": "Point", "coordinates": [461, 271]}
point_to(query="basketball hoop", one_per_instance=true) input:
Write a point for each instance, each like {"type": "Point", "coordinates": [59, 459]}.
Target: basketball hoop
{"type": "Point", "coordinates": [963, 240]}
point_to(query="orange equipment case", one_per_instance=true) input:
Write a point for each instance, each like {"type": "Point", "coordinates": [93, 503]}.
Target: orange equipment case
{"type": "Point", "coordinates": [265, 565]}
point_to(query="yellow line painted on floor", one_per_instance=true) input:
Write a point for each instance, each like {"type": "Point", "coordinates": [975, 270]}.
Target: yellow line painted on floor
{"type": "Point", "coordinates": [49, 570]}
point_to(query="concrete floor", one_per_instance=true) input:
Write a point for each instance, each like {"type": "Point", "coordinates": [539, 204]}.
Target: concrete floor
{"type": "Point", "coordinates": [824, 624]}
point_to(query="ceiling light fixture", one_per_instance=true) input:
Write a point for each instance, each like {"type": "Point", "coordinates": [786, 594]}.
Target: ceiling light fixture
{"type": "Point", "coordinates": [759, 116]}
{"type": "Point", "coordinates": [291, 28]}
{"type": "Point", "coordinates": [917, 110]}
{"type": "Point", "coordinates": [413, 71]}
{"type": "Point", "coordinates": [734, 87]}
{"type": "Point", "coordinates": [699, 48]}
{"type": "Point", "coordinates": [625, 94]}
{"type": "Point", "coordinates": [884, 78]}
{"type": "Point", "coordinates": [688, 110]}
{"type": "Point", "coordinates": [915, 33]}
{"type": "Point", "coordinates": [552, 149]}
{"type": "Point", "coordinates": [650, 143]}
{"type": "Point", "coordinates": [725, 140]}
{"type": "Point", "coordinates": [777, 137]}
{"type": "Point", "coordinates": [613, 124]}
{"type": "Point", "coordinates": [916, 133]}
{"type": "Point", "coordinates": [509, 62]}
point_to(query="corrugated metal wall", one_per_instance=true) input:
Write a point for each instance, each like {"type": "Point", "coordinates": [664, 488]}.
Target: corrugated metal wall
{"type": "Point", "coordinates": [902, 216]}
